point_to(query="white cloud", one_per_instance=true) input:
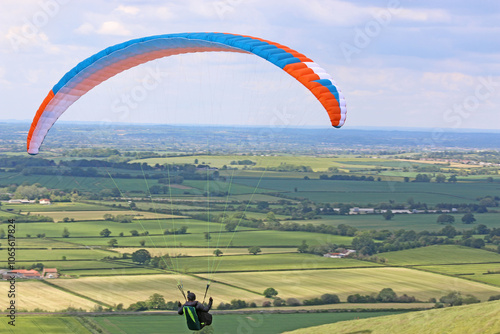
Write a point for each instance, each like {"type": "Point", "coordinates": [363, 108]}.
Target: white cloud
{"type": "Point", "coordinates": [85, 29]}
{"type": "Point", "coordinates": [130, 10]}
{"type": "Point", "coordinates": [423, 15]}
{"type": "Point", "coordinates": [113, 28]}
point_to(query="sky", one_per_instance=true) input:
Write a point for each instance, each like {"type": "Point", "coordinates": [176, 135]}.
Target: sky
{"type": "Point", "coordinates": [420, 64]}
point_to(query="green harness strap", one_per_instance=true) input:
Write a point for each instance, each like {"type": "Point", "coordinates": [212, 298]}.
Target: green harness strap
{"type": "Point", "coordinates": [192, 320]}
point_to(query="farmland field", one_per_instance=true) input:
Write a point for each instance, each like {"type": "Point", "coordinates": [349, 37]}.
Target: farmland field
{"type": "Point", "coordinates": [63, 206]}
{"type": "Point", "coordinates": [440, 254]}
{"type": "Point", "coordinates": [317, 164]}
{"type": "Point", "coordinates": [238, 239]}
{"type": "Point", "coordinates": [307, 284]}
{"type": "Point", "coordinates": [476, 272]}
{"type": "Point", "coordinates": [44, 243]}
{"type": "Point", "coordinates": [118, 271]}
{"type": "Point", "coordinates": [56, 254]}
{"type": "Point", "coordinates": [58, 216]}
{"type": "Point", "coordinates": [45, 324]}
{"type": "Point", "coordinates": [204, 251]}
{"type": "Point", "coordinates": [364, 192]}
{"type": "Point", "coordinates": [35, 294]}
{"type": "Point", "coordinates": [267, 262]}
{"type": "Point", "coordinates": [65, 266]}
{"type": "Point", "coordinates": [96, 271]}
{"type": "Point", "coordinates": [226, 323]}
{"type": "Point", "coordinates": [93, 228]}
{"type": "Point", "coordinates": [130, 289]}
{"type": "Point", "coordinates": [415, 222]}
{"type": "Point", "coordinates": [68, 183]}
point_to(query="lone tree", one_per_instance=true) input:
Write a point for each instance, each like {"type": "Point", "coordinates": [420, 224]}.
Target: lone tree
{"type": "Point", "coordinates": [387, 295]}
{"type": "Point", "coordinates": [270, 292]}
{"type": "Point", "coordinates": [468, 218]}
{"type": "Point", "coordinates": [156, 302]}
{"type": "Point", "coordinates": [254, 250]}
{"type": "Point", "coordinates": [388, 215]}
{"type": "Point", "coordinates": [448, 231]}
{"type": "Point", "coordinates": [105, 233]}
{"type": "Point", "coordinates": [445, 219]}
{"type": "Point", "coordinates": [207, 236]}
{"type": "Point", "coordinates": [112, 243]}
{"type": "Point", "coordinates": [65, 233]}
{"type": "Point", "coordinates": [218, 252]}
{"type": "Point", "coordinates": [141, 256]}
{"type": "Point", "coordinates": [440, 178]}
{"type": "Point", "coordinates": [230, 227]}
{"type": "Point", "coordinates": [303, 248]}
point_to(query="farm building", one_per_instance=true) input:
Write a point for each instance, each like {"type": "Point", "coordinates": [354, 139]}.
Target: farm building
{"type": "Point", "coordinates": [45, 201]}
{"type": "Point", "coordinates": [340, 255]}
{"type": "Point", "coordinates": [50, 273]}
{"type": "Point", "coordinates": [22, 273]}
{"type": "Point", "coordinates": [20, 201]}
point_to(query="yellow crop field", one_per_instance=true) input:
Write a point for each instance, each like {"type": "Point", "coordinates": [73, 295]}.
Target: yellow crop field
{"type": "Point", "coordinates": [305, 284]}
{"type": "Point", "coordinates": [32, 294]}
{"type": "Point", "coordinates": [131, 289]}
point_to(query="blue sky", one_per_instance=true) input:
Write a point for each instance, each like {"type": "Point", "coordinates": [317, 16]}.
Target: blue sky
{"type": "Point", "coordinates": [432, 64]}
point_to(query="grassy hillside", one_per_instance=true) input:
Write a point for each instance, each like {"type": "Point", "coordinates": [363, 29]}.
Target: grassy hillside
{"type": "Point", "coordinates": [481, 318]}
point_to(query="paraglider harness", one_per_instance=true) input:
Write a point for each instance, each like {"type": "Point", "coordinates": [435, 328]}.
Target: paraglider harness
{"type": "Point", "coordinates": [192, 319]}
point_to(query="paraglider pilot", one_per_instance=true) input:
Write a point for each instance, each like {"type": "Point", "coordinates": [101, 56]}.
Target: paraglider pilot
{"type": "Point", "coordinates": [197, 315]}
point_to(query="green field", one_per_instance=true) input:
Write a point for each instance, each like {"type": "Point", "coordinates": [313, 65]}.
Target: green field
{"type": "Point", "coordinates": [93, 228]}
{"type": "Point", "coordinates": [476, 272]}
{"type": "Point", "coordinates": [65, 266]}
{"type": "Point", "coordinates": [306, 284]}
{"type": "Point", "coordinates": [238, 239]}
{"type": "Point", "coordinates": [68, 183]}
{"type": "Point", "coordinates": [481, 318]}
{"type": "Point", "coordinates": [59, 216]}
{"type": "Point", "coordinates": [364, 192]}
{"type": "Point", "coordinates": [43, 243]}
{"type": "Point", "coordinates": [7, 215]}
{"type": "Point", "coordinates": [316, 163]}
{"type": "Point", "coordinates": [440, 254]}
{"type": "Point", "coordinates": [266, 262]}
{"type": "Point", "coordinates": [39, 255]}
{"type": "Point", "coordinates": [63, 206]}
{"type": "Point", "coordinates": [204, 251]}
{"type": "Point", "coordinates": [44, 324]}
{"type": "Point", "coordinates": [230, 187]}
{"type": "Point", "coordinates": [265, 323]}
{"type": "Point", "coordinates": [415, 222]}
{"type": "Point", "coordinates": [112, 272]}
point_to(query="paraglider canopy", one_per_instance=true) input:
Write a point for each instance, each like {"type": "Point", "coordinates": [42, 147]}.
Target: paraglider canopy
{"type": "Point", "coordinates": [118, 58]}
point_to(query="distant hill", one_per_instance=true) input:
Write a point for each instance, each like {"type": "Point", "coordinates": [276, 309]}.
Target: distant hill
{"type": "Point", "coordinates": [183, 137]}
{"type": "Point", "coordinates": [483, 318]}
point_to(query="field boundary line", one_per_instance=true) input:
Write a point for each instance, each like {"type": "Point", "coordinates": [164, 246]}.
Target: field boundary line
{"type": "Point", "coordinates": [456, 276]}
{"type": "Point", "coordinates": [451, 264]}
{"type": "Point", "coordinates": [76, 293]}
{"type": "Point", "coordinates": [224, 283]}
